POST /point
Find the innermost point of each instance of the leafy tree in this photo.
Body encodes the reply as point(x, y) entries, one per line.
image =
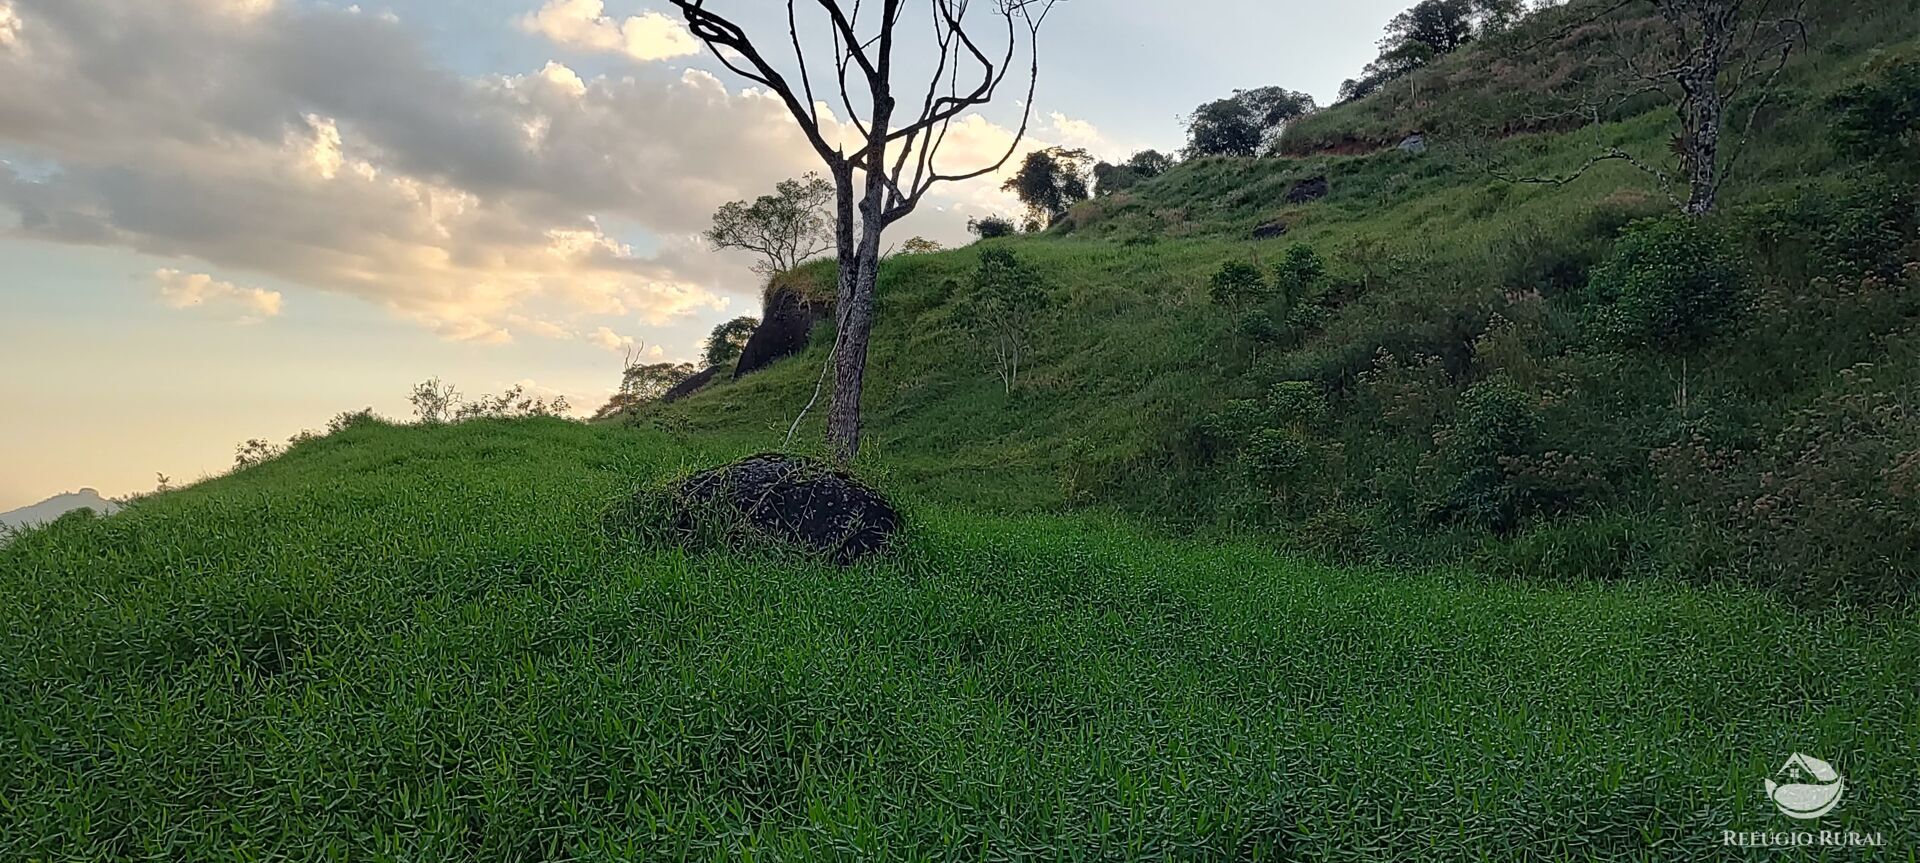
point(1223, 128)
point(1006, 301)
point(1050, 182)
point(992, 227)
point(920, 246)
point(1142, 166)
point(1671, 283)
point(644, 383)
point(1150, 163)
point(728, 340)
point(648, 382)
point(1242, 124)
point(434, 402)
point(785, 228)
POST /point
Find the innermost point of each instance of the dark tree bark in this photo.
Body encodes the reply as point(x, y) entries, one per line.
point(889, 169)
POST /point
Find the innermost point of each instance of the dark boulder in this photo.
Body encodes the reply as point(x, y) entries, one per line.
point(1309, 190)
point(785, 327)
point(692, 385)
point(1270, 231)
point(1415, 143)
point(792, 500)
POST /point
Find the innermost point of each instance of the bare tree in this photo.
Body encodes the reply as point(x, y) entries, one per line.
point(785, 228)
point(1707, 54)
point(884, 173)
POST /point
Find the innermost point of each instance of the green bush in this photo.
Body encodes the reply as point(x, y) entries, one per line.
point(1670, 283)
point(1495, 423)
point(1880, 117)
point(1237, 284)
point(1297, 276)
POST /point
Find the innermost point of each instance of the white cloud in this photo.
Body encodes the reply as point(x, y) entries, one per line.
point(10, 25)
point(326, 149)
point(1069, 132)
point(200, 291)
point(605, 337)
point(584, 25)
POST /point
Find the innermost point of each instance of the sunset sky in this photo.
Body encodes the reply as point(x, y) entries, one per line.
point(225, 219)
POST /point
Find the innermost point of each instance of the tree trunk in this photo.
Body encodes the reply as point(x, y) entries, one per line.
point(1700, 112)
point(850, 364)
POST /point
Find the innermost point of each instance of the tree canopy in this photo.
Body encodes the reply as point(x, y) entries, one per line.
point(1429, 30)
point(1244, 123)
point(785, 229)
point(1050, 182)
point(727, 341)
point(1142, 166)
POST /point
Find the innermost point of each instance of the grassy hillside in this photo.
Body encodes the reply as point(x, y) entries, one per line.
point(1450, 292)
point(422, 643)
point(1533, 524)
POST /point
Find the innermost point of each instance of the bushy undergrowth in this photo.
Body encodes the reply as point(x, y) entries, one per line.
point(421, 643)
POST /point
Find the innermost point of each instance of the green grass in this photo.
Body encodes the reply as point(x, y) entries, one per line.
point(1425, 254)
point(421, 644)
point(426, 643)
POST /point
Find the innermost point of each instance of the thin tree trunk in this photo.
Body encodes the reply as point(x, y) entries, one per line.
point(850, 365)
point(1701, 119)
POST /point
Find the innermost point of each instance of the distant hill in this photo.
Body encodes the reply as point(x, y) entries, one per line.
point(57, 506)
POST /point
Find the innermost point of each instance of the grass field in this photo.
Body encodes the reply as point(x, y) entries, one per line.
point(422, 644)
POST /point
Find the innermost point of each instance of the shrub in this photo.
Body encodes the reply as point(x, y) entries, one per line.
point(352, 419)
point(1670, 283)
point(1277, 440)
point(1496, 423)
point(254, 452)
point(1413, 397)
point(1237, 284)
point(1829, 507)
point(992, 227)
point(1880, 117)
point(1297, 276)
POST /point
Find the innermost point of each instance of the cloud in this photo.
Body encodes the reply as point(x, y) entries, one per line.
point(9, 25)
point(584, 25)
point(199, 291)
point(605, 337)
point(1069, 132)
point(325, 149)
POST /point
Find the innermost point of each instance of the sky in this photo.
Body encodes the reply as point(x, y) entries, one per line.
point(234, 219)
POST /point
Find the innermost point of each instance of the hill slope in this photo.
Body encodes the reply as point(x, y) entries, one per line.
point(421, 643)
point(1612, 578)
point(1449, 293)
